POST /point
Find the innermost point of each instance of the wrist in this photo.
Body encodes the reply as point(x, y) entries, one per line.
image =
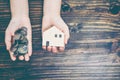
point(52, 7)
point(20, 18)
point(51, 17)
point(51, 14)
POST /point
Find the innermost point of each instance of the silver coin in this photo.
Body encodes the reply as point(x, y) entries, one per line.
point(20, 42)
point(22, 49)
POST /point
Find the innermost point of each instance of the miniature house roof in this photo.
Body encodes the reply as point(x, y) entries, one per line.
point(53, 30)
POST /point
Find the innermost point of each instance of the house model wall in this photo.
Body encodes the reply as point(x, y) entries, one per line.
point(53, 37)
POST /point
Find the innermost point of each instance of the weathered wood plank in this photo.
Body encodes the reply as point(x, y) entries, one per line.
point(86, 56)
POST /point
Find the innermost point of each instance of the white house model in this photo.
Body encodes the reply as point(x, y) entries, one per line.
point(53, 37)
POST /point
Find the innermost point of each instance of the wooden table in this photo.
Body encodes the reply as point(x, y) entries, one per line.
point(87, 56)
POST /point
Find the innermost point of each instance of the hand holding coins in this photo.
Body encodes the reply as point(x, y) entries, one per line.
point(20, 42)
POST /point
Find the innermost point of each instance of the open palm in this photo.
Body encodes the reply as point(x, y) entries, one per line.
point(60, 24)
point(14, 25)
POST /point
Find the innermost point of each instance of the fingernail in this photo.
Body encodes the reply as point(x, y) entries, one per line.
point(7, 48)
point(27, 60)
point(30, 54)
point(14, 59)
point(67, 42)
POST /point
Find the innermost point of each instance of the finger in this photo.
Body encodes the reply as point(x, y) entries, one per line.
point(44, 47)
point(49, 48)
point(61, 49)
point(29, 37)
point(27, 57)
point(9, 33)
point(66, 39)
point(54, 49)
point(13, 58)
point(29, 48)
point(8, 40)
point(21, 57)
point(67, 36)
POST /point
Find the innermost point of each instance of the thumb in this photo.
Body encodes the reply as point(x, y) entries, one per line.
point(8, 40)
point(67, 36)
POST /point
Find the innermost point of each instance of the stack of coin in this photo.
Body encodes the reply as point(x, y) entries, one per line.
point(20, 42)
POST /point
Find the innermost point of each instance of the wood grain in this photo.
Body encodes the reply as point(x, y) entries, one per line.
point(87, 56)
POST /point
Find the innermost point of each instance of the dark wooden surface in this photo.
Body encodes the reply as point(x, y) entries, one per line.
point(87, 56)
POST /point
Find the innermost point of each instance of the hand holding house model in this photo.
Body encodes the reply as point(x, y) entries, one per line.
point(53, 37)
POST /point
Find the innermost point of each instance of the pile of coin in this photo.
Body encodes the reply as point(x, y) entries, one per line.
point(20, 42)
